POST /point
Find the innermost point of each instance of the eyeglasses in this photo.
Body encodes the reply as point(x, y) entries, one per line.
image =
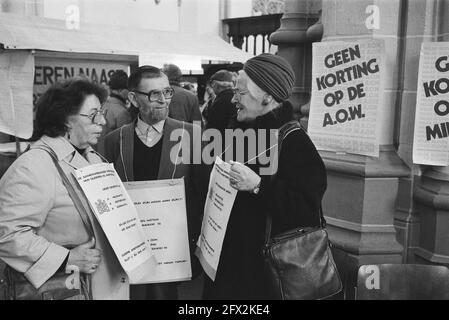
point(95, 116)
point(237, 92)
point(156, 95)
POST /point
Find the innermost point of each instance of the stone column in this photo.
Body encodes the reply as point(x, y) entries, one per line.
point(432, 206)
point(360, 201)
point(431, 193)
point(293, 44)
point(314, 34)
point(419, 19)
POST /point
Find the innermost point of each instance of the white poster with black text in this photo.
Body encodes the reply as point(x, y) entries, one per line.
point(217, 210)
point(431, 134)
point(118, 218)
point(347, 84)
point(161, 205)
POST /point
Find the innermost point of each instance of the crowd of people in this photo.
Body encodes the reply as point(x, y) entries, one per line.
point(46, 223)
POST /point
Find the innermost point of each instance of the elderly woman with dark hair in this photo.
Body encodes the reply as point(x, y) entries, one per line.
point(46, 224)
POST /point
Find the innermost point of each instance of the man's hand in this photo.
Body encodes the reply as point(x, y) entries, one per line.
point(84, 257)
point(242, 178)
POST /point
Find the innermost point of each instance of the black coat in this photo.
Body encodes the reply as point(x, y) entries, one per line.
point(221, 111)
point(293, 197)
point(184, 105)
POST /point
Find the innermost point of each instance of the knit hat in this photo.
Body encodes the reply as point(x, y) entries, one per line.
point(119, 80)
point(273, 74)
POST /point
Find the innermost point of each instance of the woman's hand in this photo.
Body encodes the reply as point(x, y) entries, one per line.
point(84, 257)
point(242, 178)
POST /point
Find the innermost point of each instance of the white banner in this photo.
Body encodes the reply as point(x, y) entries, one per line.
point(430, 141)
point(219, 202)
point(16, 87)
point(118, 218)
point(48, 71)
point(347, 83)
point(162, 210)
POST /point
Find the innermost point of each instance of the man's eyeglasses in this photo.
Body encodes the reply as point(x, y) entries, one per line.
point(156, 95)
point(95, 116)
point(237, 92)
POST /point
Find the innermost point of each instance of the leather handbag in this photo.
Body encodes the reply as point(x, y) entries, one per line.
point(60, 286)
point(299, 263)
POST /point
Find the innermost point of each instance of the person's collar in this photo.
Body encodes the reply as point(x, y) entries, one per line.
point(61, 146)
point(79, 150)
point(143, 126)
point(276, 117)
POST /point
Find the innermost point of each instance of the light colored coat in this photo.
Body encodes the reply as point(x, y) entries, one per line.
point(38, 219)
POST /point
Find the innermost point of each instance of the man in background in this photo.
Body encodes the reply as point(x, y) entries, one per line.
point(184, 104)
point(116, 106)
point(221, 111)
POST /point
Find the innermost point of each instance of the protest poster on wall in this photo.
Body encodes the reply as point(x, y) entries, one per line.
point(118, 218)
point(431, 134)
point(161, 206)
point(48, 71)
point(16, 79)
point(219, 202)
point(347, 83)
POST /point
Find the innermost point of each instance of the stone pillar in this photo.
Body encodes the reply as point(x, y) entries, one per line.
point(360, 201)
point(432, 206)
point(293, 44)
point(314, 34)
point(431, 193)
point(419, 19)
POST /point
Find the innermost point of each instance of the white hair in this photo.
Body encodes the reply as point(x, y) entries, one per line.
point(253, 88)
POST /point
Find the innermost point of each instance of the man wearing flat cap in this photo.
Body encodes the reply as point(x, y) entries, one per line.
point(220, 113)
point(117, 112)
point(291, 195)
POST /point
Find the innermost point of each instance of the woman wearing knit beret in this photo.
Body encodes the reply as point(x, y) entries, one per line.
point(292, 195)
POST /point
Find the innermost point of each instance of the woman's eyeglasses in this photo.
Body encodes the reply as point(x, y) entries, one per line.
point(95, 116)
point(156, 95)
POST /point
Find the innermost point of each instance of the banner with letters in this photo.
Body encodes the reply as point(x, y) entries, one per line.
point(161, 205)
point(118, 218)
point(347, 83)
point(431, 134)
point(217, 210)
point(48, 71)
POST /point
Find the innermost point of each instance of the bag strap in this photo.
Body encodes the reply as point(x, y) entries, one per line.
point(284, 131)
point(72, 193)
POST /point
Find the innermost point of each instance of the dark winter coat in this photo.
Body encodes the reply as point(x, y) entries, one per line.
point(221, 111)
point(293, 197)
point(184, 106)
